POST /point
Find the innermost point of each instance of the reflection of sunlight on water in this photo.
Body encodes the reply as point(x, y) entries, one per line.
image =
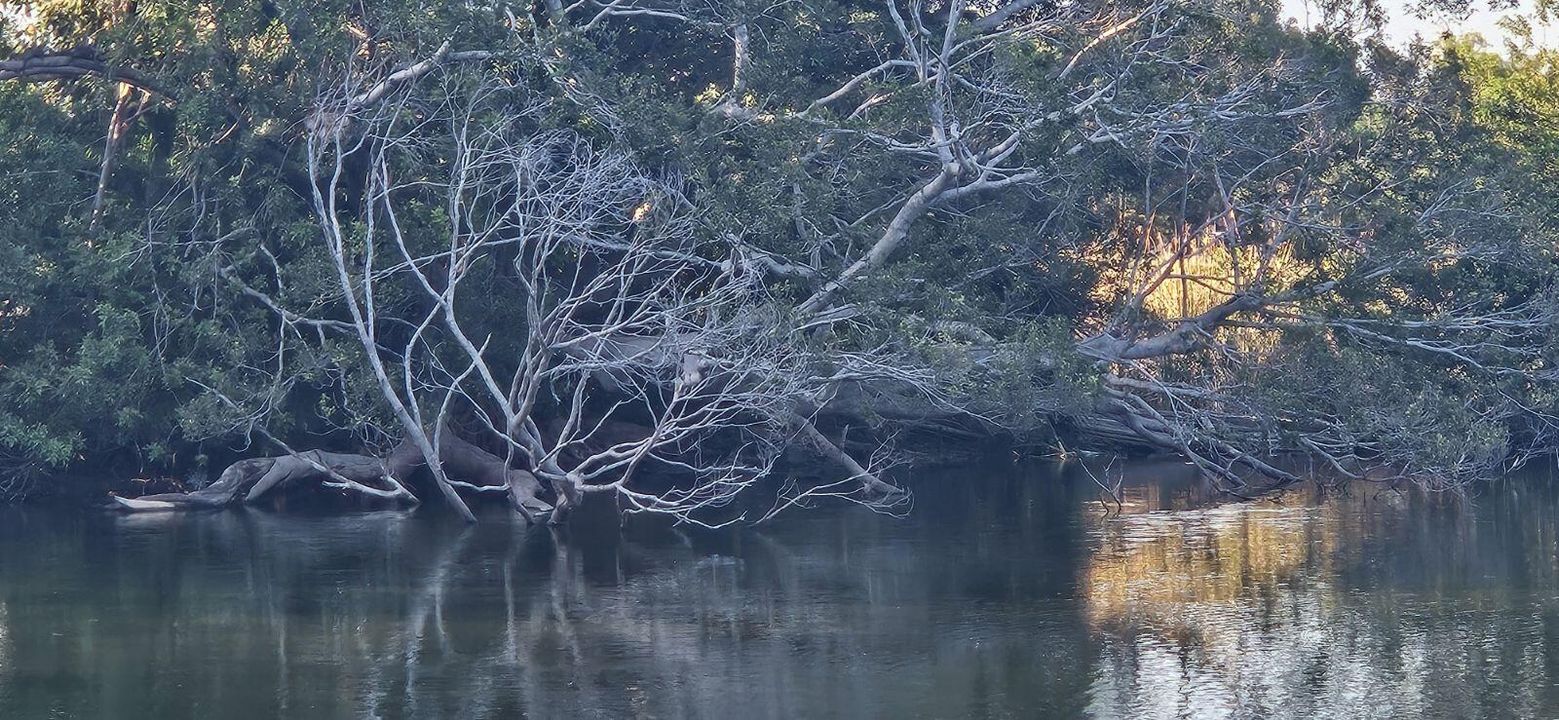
point(1273, 609)
point(1219, 613)
point(1223, 612)
point(1154, 567)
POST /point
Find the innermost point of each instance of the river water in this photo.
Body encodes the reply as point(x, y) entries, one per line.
point(1008, 592)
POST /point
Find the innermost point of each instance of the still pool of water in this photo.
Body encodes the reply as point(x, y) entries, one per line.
point(1007, 593)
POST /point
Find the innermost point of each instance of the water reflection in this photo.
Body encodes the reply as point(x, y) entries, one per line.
point(1376, 604)
point(5, 649)
point(1008, 594)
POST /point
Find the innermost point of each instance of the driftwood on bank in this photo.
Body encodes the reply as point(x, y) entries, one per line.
point(470, 468)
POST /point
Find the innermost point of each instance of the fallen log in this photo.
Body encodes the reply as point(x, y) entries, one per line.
point(234, 482)
point(246, 481)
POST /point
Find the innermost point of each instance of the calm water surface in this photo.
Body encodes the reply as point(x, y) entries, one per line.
point(1006, 594)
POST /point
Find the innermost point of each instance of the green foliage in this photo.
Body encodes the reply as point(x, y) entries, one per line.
point(127, 343)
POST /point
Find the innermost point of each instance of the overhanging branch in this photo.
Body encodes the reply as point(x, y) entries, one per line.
point(42, 65)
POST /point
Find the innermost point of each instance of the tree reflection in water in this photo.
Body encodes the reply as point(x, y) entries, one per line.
point(1006, 595)
point(1376, 604)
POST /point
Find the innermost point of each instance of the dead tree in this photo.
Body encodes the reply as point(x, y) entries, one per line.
point(623, 318)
